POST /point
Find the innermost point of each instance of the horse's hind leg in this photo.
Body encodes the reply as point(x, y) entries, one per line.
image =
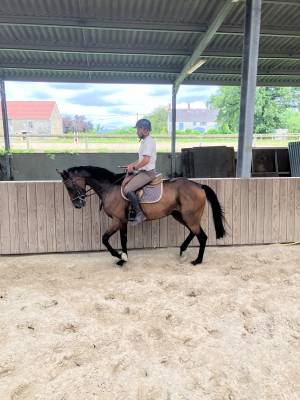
point(185, 244)
point(177, 215)
point(202, 238)
point(196, 230)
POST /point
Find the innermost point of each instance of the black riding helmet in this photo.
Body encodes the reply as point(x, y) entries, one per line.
point(144, 123)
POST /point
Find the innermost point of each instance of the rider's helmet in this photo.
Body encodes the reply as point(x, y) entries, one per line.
point(144, 123)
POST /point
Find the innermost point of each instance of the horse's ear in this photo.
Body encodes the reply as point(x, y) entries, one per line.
point(63, 174)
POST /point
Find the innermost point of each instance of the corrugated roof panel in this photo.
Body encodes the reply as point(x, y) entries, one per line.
point(150, 10)
point(35, 35)
point(53, 37)
point(280, 44)
point(124, 39)
point(142, 77)
point(79, 52)
point(77, 60)
point(59, 8)
point(272, 44)
point(179, 11)
point(222, 42)
point(215, 63)
point(237, 15)
point(280, 15)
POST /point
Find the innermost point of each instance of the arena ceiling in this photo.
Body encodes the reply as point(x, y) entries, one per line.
point(149, 41)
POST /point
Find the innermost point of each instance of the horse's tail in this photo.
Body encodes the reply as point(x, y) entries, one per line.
point(218, 213)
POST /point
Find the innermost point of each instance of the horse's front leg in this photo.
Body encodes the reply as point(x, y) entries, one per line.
point(123, 236)
point(114, 227)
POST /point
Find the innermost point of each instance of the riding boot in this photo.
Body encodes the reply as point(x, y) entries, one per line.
point(139, 215)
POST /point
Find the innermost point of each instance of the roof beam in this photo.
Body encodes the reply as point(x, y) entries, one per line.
point(145, 68)
point(88, 68)
point(204, 41)
point(267, 55)
point(289, 2)
point(91, 24)
point(79, 49)
point(151, 69)
point(260, 72)
point(264, 55)
point(266, 31)
point(72, 76)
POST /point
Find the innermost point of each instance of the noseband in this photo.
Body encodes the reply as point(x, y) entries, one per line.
point(78, 195)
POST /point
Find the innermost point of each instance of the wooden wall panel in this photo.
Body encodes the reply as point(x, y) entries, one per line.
point(38, 217)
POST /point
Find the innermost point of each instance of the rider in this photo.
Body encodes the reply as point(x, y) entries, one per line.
point(143, 169)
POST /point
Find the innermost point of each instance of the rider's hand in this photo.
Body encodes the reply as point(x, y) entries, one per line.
point(130, 168)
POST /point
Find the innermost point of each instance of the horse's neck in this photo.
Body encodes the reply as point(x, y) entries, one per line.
point(100, 187)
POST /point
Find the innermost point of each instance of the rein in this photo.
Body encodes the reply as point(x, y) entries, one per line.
point(83, 196)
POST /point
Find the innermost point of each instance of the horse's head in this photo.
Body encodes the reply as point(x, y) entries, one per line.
point(75, 182)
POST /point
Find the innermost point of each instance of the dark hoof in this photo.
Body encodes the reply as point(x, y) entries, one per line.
point(196, 262)
point(120, 263)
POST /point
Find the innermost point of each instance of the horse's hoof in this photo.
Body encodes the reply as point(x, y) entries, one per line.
point(124, 257)
point(183, 257)
point(196, 262)
point(120, 263)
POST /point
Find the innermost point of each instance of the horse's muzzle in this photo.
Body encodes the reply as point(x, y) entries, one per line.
point(79, 203)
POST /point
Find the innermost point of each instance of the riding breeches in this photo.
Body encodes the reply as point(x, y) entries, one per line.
point(140, 179)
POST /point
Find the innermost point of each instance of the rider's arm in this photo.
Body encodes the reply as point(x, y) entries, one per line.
point(138, 164)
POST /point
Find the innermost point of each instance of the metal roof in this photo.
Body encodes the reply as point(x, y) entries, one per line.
point(149, 41)
point(25, 110)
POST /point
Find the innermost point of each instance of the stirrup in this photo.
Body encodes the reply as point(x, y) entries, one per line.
point(131, 214)
point(140, 217)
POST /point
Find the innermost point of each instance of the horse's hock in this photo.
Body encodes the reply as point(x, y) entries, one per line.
point(38, 217)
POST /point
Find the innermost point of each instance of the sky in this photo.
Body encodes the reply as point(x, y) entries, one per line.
point(110, 105)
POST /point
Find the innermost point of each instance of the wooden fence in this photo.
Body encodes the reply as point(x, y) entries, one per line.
point(38, 217)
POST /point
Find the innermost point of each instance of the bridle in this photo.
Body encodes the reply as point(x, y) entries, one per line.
point(83, 196)
point(79, 195)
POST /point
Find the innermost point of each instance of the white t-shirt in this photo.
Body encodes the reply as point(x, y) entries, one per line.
point(148, 148)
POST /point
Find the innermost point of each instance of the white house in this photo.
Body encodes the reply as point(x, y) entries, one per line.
point(199, 119)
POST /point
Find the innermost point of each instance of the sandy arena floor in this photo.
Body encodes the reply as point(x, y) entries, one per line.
point(75, 327)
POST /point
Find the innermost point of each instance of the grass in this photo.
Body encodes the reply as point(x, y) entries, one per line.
point(108, 143)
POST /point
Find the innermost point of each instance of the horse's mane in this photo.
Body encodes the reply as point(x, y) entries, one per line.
point(98, 173)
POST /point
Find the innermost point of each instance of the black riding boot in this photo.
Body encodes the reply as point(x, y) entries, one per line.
point(139, 215)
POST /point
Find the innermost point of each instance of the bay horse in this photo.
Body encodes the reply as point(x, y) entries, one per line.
point(183, 199)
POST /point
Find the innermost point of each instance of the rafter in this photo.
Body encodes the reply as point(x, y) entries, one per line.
point(168, 27)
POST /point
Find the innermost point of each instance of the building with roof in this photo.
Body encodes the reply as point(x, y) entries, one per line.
point(33, 118)
point(198, 119)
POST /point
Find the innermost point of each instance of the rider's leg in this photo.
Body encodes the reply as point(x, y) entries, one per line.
point(137, 182)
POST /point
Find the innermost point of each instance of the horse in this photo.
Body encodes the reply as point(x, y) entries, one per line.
point(182, 198)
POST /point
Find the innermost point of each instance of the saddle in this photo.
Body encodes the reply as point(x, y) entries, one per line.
point(150, 193)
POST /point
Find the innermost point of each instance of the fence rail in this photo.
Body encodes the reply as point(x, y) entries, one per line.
point(181, 135)
point(37, 217)
point(127, 143)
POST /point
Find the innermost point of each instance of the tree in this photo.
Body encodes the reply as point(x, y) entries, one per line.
point(292, 118)
point(159, 120)
point(227, 101)
point(270, 108)
point(77, 123)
